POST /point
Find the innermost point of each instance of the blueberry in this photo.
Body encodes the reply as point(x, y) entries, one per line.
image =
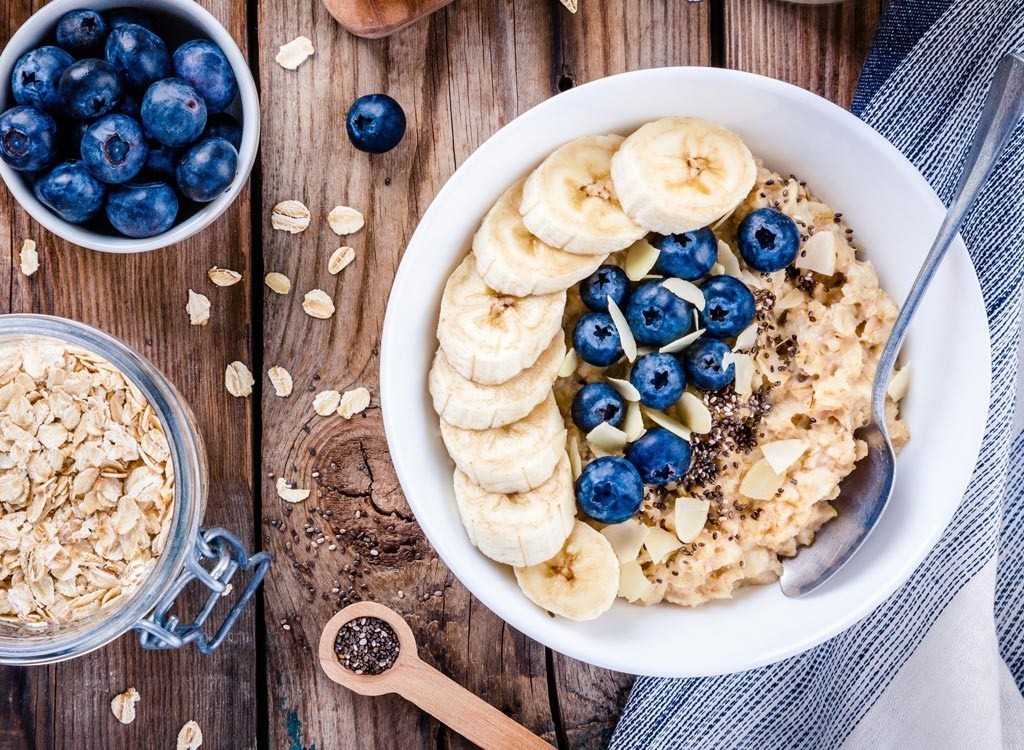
point(728, 306)
point(659, 378)
point(659, 456)
point(139, 55)
point(224, 126)
point(161, 160)
point(686, 256)
point(81, 32)
point(607, 281)
point(375, 123)
point(90, 88)
point(71, 192)
point(123, 16)
point(610, 490)
point(207, 169)
point(36, 77)
point(173, 112)
point(596, 339)
point(202, 64)
point(656, 316)
point(595, 403)
point(768, 239)
point(142, 209)
point(114, 148)
point(28, 139)
point(702, 361)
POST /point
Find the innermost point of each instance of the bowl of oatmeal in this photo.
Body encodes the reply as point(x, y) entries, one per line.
point(698, 555)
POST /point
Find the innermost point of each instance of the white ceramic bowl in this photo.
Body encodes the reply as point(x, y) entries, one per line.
point(179, 21)
point(895, 215)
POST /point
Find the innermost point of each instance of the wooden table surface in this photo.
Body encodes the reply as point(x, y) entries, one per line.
point(460, 75)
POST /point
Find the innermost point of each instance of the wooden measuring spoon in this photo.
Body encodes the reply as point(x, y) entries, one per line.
point(418, 682)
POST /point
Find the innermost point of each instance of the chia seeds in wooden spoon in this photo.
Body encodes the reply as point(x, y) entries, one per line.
point(366, 645)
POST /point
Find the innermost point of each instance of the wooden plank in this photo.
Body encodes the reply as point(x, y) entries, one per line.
point(821, 48)
point(141, 299)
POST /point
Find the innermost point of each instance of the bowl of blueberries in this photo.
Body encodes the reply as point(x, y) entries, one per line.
point(125, 129)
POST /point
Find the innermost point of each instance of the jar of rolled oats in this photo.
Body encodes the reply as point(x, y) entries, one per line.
point(103, 483)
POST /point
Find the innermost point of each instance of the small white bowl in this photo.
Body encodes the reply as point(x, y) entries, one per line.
point(895, 215)
point(181, 20)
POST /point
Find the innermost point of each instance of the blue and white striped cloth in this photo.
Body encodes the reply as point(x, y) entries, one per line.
point(941, 663)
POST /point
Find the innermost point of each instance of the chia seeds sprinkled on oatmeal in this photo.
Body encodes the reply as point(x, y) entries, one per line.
point(366, 645)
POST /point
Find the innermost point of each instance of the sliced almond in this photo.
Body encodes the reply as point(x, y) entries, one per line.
point(278, 282)
point(325, 403)
point(730, 263)
point(340, 259)
point(663, 420)
point(353, 402)
point(633, 584)
point(690, 515)
point(900, 384)
point(281, 379)
point(744, 372)
point(695, 415)
point(607, 438)
point(686, 290)
point(672, 347)
point(792, 298)
point(29, 259)
point(747, 338)
point(575, 461)
point(569, 364)
point(717, 269)
point(761, 482)
point(345, 220)
point(626, 538)
point(238, 380)
point(224, 276)
point(640, 259)
point(290, 216)
point(625, 334)
point(633, 422)
point(290, 494)
point(818, 253)
point(626, 389)
point(198, 308)
point(781, 454)
point(660, 544)
point(318, 304)
point(297, 51)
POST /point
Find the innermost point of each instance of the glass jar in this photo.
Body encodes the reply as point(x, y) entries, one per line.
point(210, 556)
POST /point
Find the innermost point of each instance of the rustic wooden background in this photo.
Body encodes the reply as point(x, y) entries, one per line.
point(460, 75)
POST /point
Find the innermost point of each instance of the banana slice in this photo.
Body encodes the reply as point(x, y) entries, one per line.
point(515, 458)
point(513, 261)
point(679, 174)
point(491, 337)
point(523, 528)
point(580, 582)
point(472, 406)
point(569, 201)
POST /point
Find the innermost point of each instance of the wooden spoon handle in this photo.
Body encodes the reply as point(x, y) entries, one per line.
point(470, 716)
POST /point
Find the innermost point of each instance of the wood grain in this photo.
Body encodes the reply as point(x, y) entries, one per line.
point(141, 299)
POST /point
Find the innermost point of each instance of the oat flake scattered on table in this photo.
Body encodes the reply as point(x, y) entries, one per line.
point(238, 380)
point(198, 308)
point(29, 258)
point(281, 379)
point(340, 259)
point(318, 304)
point(123, 705)
point(290, 216)
point(290, 494)
point(190, 737)
point(344, 220)
point(325, 403)
point(224, 276)
point(278, 282)
point(297, 51)
point(353, 402)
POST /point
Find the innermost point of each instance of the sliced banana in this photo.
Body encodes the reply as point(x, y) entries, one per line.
point(514, 458)
point(472, 406)
point(513, 261)
point(569, 201)
point(580, 582)
point(491, 337)
point(519, 528)
point(678, 174)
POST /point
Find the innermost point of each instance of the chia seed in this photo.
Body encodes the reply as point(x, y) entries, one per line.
point(366, 645)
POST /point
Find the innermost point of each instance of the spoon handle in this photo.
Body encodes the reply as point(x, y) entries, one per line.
point(466, 713)
point(1003, 110)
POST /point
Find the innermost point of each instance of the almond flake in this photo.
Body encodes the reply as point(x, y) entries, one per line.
point(761, 482)
point(290, 494)
point(818, 254)
point(29, 258)
point(569, 364)
point(575, 462)
point(717, 269)
point(281, 379)
point(679, 344)
point(660, 544)
point(238, 380)
point(633, 584)
point(640, 259)
point(607, 438)
point(190, 737)
point(198, 308)
point(690, 515)
point(781, 454)
point(746, 339)
point(633, 423)
point(297, 51)
point(696, 416)
point(743, 380)
point(340, 259)
point(344, 220)
point(900, 384)
point(353, 402)
point(625, 334)
point(318, 304)
point(325, 403)
point(278, 282)
point(123, 705)
point(290, 216)
point(661, 419)
point(224, 276)
point(686, 290)
point(626, 389)
point(728, 259)
point(792, 298)
point(626, 538)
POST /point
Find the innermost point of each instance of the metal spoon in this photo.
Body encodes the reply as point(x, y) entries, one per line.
point(865, 492)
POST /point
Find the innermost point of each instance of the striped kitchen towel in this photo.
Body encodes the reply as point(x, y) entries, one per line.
point(941, 663)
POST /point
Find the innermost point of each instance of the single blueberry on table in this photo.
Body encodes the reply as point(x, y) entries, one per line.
point(596, 339)
point(28, 139)
point(224, 126)
point(686, 256)
point(659, 378)
point(768, 239)
point(173, 112)
point(81, 32)
point(728, 306)
point(124, 16)
point(702, 361)
point(162, 161)
point(71, 192)
point(207, 170)
point(375, 123)
point(607, 281)
point(610, 490)
point(142, 209)
point(595, 403)
point(90, 88)
point(660, 456)
point(656, 316)
point(114, 148)
point(203, 64)
point(36, 76)
point(140, 56)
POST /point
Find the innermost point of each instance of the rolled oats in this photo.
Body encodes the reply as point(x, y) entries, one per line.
point(297, 51)
point(238, 380)
point(318, 304)
point(190, 737)
point(345, 220)
point(123, 705)
point(278, 282)
point(325, 403)
point(224, 276)
point(281, 379)
point(570, 5)
point(198, 308)
point(290, 216)
point(290, 494)
point(353, 402)
point(340, 259)
point(29, 258)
